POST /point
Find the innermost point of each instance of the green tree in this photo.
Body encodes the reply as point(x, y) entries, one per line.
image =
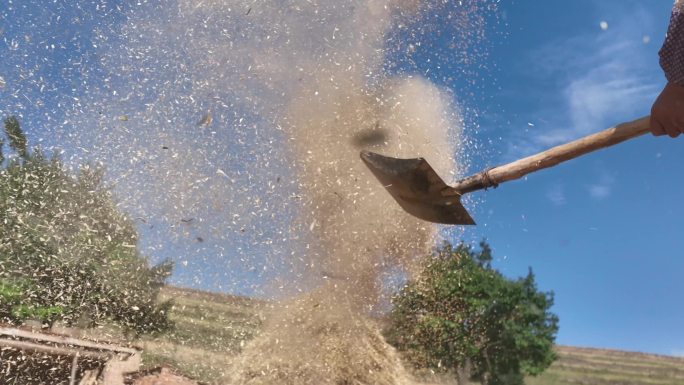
point(17, 139)
point(69, 252)
point(461, 314)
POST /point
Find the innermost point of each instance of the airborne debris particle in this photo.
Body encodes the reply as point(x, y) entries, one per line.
point(173, 63)
point(375, 136)
point(206, 120)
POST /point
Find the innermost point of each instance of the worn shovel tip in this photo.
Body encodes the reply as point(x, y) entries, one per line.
point(389, 165)
point(417, 188)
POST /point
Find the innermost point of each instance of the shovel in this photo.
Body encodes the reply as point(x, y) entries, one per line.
point(422, 193)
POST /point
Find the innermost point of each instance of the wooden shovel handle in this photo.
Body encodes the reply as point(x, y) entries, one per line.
point(549, 158)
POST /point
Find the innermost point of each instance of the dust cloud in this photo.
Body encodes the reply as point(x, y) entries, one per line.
point(231, 130)
point(355, 232)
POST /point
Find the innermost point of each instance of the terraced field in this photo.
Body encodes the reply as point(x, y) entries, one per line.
point(212, 328)
point(611, 367)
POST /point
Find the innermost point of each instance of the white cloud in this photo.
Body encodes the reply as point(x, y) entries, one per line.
point(602, 188)
point(613, 88)
point(678, 353)
point(599, 191)
point(556, 194)
point(605, 78)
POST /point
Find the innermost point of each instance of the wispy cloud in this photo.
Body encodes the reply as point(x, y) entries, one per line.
point(602, 188)
point(599, 191)
point(678, 352)
point(604, 77)
point(556, 194)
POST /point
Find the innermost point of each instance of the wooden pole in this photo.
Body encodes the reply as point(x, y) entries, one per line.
point(549, 158)
point(74, 370)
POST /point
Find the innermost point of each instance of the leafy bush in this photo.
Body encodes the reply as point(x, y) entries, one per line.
point(461, 314)
point(66, 252)
point(45, 314)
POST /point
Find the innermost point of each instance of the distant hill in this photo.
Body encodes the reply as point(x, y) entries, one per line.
point(211, 330)
point(611, 367)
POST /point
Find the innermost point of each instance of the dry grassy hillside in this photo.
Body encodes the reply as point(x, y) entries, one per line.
point(211, 329)
point(611, 367)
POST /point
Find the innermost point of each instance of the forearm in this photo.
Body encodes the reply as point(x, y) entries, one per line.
point(672, 53)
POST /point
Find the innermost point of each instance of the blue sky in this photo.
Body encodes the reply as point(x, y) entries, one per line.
point(604, 232)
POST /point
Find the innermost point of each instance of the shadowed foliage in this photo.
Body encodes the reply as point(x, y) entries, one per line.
point(66, 252)
point(462, 315)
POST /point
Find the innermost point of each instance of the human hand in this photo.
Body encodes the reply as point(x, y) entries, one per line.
point(667, 113)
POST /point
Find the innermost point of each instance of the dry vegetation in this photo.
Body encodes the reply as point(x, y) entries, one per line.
point(611, 367)
point(211, 330)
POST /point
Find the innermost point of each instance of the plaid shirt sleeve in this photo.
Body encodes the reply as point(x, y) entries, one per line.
point(672, 53)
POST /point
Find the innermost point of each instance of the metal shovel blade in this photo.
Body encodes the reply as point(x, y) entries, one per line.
point(418, 189)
